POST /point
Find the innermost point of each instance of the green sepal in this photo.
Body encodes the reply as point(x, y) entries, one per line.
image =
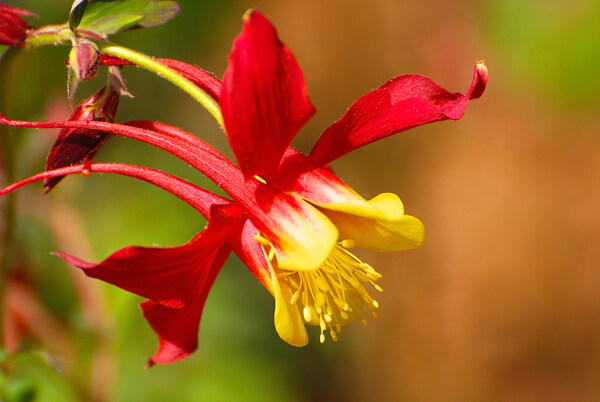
point(76, 14)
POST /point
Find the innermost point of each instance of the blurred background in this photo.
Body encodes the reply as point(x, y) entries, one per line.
point(501, 304)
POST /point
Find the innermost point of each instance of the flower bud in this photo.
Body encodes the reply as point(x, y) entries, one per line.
point(13, 29)
point(84, 58)
point(74, 145)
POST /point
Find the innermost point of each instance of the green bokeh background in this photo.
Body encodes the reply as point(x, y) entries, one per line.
point(491, 309)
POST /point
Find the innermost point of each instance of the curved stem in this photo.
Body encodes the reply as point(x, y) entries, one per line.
point(176, 79)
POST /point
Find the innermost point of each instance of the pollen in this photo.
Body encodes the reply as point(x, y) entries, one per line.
point(335, 293)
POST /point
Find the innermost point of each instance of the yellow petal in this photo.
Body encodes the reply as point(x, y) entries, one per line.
point(380, 227)
point(386, 206)
point(301, 235)
point(288, 321)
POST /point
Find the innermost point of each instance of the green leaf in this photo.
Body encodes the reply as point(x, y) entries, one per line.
point(77, 10)
point(106, 17)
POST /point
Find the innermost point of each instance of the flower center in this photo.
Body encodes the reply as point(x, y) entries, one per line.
point(333, 294)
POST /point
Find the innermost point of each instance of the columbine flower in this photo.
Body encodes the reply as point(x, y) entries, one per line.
point(13, 29)
point(264, 101)
point(290, 219)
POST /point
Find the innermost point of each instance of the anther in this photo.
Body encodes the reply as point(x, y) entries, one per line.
point(295, 297)
point(319, 299)
point(348, 243)
point(260, 179)
point(261, 240)
point(307, 314)
point(335, 293)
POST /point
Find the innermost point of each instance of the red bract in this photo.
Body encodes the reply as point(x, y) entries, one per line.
point(290, 219)
point(13, 29)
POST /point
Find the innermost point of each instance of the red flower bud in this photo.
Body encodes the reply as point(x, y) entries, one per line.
point(84, 58)
point(73, 146)
point(13, 29)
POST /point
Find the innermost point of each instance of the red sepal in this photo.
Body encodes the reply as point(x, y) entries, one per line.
point(175, 279)
point(404, 102)
point(264, 100)
point(177, 328)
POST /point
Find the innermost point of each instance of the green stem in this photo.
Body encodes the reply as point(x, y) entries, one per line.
point(150, 64)
point(56, 34)
point(49, 35)
point(8, 202)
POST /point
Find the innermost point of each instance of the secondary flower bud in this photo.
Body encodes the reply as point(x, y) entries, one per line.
point(75, 145)
point(84, 58)
point(13, 29)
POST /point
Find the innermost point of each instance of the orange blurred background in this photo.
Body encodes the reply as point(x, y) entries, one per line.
point(503, 301)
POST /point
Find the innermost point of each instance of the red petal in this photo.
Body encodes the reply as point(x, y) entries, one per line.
point(264, 99)
point(197, 153)
point(298, 232)
point(300, 175)
point(200, 199)
point(171, 131)
point(251, 253)
point(177, 328)
point(404, 102)
point(171, 276)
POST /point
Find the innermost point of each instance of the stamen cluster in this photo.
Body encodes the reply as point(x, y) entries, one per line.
point(333, 294)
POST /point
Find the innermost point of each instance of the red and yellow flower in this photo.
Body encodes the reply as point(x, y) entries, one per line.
point(289, 218)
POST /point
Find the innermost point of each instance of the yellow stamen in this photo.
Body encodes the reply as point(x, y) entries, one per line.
point(333, 294)
point(295, 296)
point(348, 243)
point(307, 314)
point(261, 240)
